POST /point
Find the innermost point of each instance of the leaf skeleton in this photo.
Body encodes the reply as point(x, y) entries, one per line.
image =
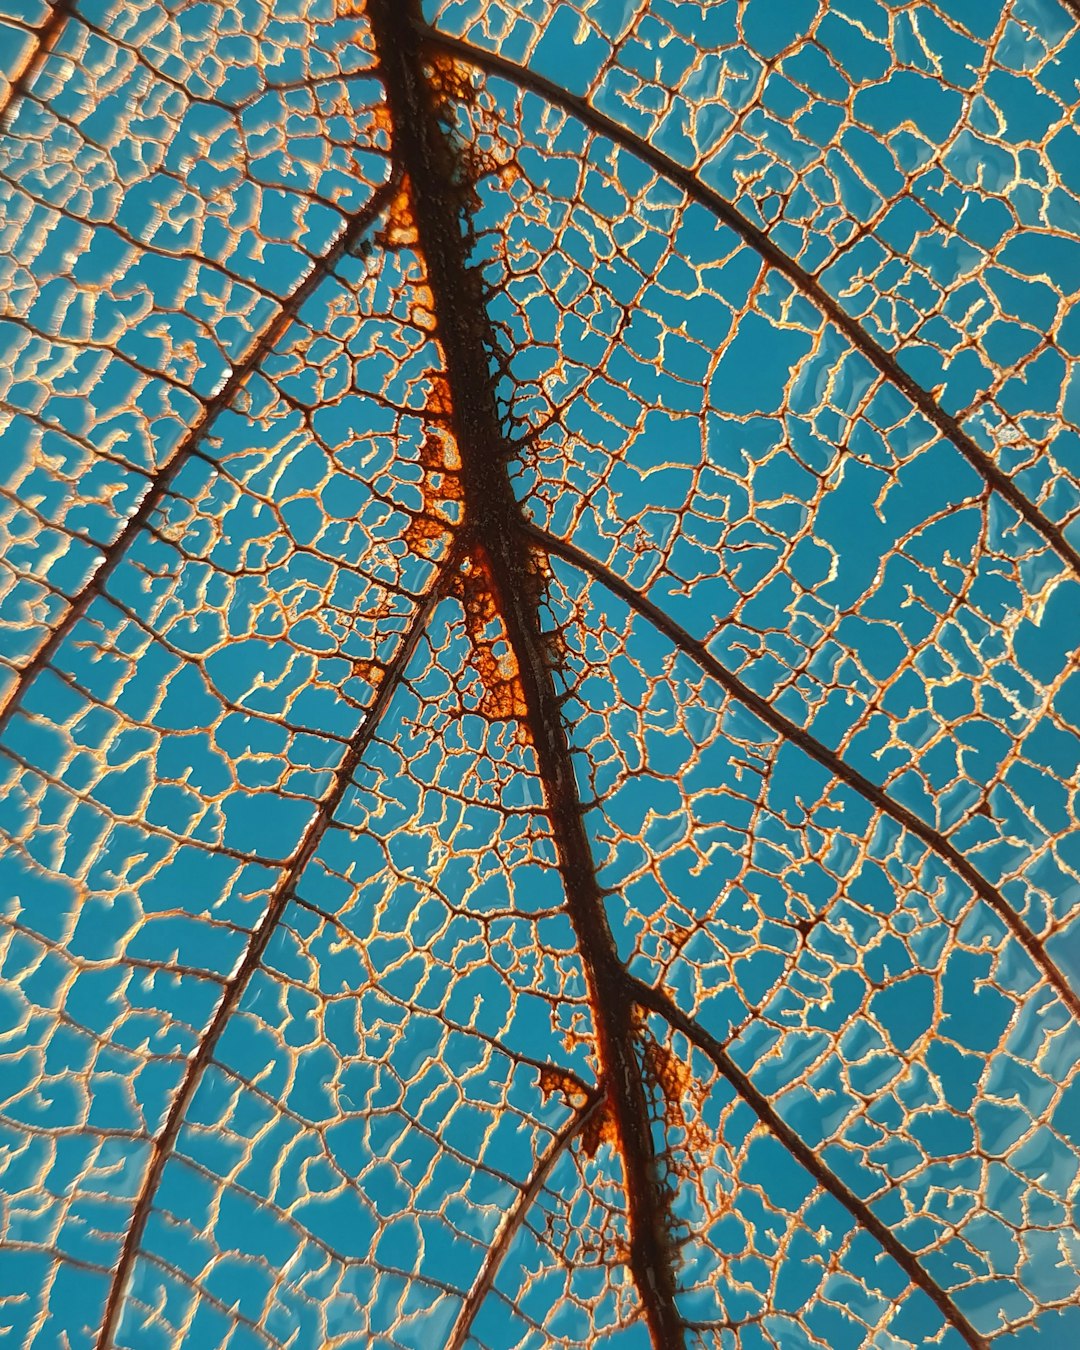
point(539, 708)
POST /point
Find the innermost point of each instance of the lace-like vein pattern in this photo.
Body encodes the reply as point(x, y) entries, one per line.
point(166, 186)
point(375, 1106)
point(919, 159)
point(693, 425)
point(883, 1008)
point(303, 1039)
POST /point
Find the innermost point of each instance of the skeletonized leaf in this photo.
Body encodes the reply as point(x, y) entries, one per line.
point(539, 699)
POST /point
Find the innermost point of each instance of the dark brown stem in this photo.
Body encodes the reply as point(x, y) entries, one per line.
point(883, 361)
point(493, 517)
point(280, 896)
point(651, 1256)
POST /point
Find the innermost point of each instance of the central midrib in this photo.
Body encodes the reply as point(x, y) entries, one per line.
point(439, 190)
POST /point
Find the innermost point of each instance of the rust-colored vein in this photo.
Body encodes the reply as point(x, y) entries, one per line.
point(660, 1002)
point(514, 1218)
point(511, 578)
point(882, 359)
point(165, 1141)
point(156, 488)
point(46, 38)
point(934, 840)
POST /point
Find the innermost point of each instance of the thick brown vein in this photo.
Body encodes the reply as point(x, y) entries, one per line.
point(158, 485)
point(46, 38)
point(883, 360)
point(934, 840)
point(492, 516)
point(165, 1142)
